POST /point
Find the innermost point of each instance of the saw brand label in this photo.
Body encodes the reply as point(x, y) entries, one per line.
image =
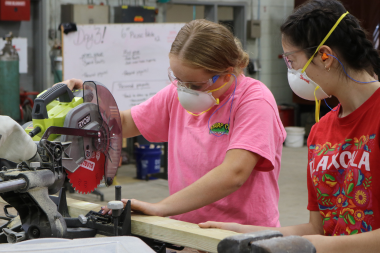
point(83, 122)
point(88, 165)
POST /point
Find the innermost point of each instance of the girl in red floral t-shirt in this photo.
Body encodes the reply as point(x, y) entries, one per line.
point(328, 54)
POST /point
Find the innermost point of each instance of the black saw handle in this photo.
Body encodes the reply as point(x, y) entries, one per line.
point(60, 91)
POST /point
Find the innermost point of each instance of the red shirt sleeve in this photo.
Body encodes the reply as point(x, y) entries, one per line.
point(312, 200)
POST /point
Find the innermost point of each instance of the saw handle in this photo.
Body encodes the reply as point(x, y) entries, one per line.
point(60, 91)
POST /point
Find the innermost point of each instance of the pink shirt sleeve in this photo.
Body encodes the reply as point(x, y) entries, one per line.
point(152, 116)
point(258, 128)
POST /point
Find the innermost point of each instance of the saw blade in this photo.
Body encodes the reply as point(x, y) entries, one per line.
point(89, 175)
point(106, 143)
point(110, 134)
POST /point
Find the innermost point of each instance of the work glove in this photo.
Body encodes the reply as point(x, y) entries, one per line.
point(15, 144)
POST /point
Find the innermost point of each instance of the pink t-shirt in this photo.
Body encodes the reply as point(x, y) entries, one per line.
point(193, 151)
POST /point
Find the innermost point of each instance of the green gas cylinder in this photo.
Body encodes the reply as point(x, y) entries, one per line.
point(9, 80)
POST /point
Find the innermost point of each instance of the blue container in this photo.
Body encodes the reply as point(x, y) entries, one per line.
point(148, 161)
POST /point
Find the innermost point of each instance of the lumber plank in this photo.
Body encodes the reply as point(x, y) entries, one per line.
point(161, 228)
point(178, 232)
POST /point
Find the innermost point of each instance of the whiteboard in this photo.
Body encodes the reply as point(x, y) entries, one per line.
point(131, 60)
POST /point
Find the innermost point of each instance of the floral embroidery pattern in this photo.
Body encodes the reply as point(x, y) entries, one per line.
point(342, 181)
point(359, 215)
point(315, 180)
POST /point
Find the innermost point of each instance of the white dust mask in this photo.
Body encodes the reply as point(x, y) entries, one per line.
point(195, 101)
point(303, 86)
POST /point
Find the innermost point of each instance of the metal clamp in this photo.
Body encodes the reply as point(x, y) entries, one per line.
point(266, 241)
point(13, 237)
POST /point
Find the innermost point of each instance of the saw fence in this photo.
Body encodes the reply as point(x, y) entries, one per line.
point(161, 228)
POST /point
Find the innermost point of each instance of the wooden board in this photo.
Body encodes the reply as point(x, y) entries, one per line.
point(161, 228)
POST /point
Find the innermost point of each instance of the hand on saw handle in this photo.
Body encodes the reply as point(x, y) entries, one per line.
point(73, 83)
point(15, 144)
point(140, 207)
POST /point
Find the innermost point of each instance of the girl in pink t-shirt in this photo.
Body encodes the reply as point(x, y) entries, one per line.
point(223, 131)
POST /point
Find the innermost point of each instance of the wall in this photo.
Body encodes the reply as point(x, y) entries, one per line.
point(22, 29)
point(271, 12)
point(54, 17)
point(25, 29)
point(273, 69)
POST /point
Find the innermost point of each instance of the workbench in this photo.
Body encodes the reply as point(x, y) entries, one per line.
point(159, 228)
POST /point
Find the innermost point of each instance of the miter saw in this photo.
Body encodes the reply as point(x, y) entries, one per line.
point(78, 135)
point(87, 123)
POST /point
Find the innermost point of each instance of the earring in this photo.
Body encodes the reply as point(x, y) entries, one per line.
point(327, 69)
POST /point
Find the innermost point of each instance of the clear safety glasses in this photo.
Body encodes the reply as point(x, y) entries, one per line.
point(199, 86)
point(289, 62)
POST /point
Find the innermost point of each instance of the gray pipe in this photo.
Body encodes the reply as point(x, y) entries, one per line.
point(12, 185)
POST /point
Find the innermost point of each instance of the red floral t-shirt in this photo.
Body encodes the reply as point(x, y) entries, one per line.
point(343, 175)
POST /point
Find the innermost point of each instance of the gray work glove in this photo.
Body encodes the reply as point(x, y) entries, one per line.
point(15, 144)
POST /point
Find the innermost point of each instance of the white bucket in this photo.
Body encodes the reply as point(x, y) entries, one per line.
point(294, 137)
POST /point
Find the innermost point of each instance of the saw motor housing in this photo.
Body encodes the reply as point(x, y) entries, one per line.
point(71, 112)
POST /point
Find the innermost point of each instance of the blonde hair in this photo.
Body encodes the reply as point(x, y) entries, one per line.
point(211, 46)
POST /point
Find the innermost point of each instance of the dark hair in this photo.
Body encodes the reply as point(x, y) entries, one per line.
point(311, 22)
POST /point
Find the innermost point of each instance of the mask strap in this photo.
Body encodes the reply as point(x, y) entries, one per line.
point(330, 107)
point(209, 91)
point(199, 114)
point(317, 106)
point(324, 40)
point(229, 118)
point(348, 74)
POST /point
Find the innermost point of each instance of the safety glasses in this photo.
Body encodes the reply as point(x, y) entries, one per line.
point(199, 86)
point(289, 62)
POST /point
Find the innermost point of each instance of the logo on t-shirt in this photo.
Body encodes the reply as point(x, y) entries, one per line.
point(220, 128)
point(342, 177)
